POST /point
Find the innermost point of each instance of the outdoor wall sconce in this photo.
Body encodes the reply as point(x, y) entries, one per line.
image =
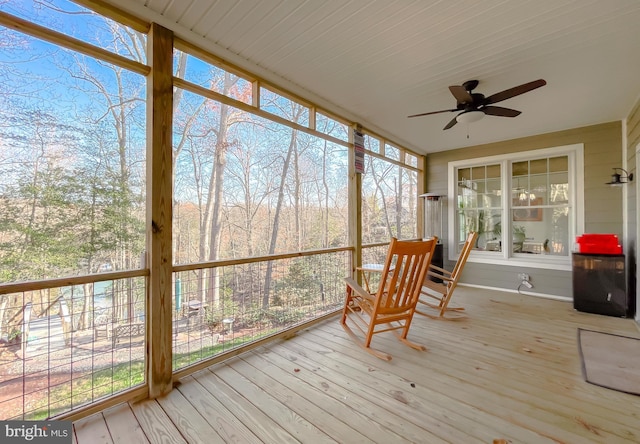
point(618, 179)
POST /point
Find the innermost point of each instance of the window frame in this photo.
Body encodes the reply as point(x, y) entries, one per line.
point(575, 154)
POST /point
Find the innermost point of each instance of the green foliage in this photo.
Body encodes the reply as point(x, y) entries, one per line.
point(300, 275)
point(14, 334)
point(281, 316)
point(181, 360)
point(58, 219)
point(228, 309)
point(519, 229)
point(87, 388)
point(253, 316)
point(300, 285)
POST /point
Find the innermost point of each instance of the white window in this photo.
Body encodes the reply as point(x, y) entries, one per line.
point(526, 207)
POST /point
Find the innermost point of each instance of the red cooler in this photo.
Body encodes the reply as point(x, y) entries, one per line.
point(598, 244)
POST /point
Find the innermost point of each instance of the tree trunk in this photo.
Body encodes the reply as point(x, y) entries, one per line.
point(87, 305)
point(276, 219)
point(215, 197)
point(325, 217)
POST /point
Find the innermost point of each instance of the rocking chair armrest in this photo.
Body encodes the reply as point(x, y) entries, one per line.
point(440, 270)
point(357, 288)
point(439, 276)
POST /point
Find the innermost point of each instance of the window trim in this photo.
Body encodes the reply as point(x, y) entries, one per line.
point(575, 152)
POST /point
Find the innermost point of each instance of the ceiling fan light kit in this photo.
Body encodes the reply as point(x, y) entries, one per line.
point(474, 106)
point(469, 116)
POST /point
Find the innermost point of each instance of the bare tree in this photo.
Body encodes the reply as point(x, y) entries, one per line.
point(293, 141)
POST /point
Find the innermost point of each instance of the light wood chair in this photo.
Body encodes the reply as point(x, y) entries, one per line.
point(436, 294)
point(391, 308)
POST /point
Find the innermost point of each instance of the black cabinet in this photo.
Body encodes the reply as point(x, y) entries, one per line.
point(437, 260)
point(599, 284)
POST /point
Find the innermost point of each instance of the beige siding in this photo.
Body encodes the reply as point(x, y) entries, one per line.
point(548, 282)
point(603, 205)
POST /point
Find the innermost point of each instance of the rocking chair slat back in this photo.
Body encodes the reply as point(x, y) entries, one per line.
point(393, 305)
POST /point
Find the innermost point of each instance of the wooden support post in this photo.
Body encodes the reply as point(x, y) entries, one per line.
point(422, 186)
point(159, 215)
point(355, 208)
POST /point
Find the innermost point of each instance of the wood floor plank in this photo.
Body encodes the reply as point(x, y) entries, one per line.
point(464, 417)
point(289, 420)
point(155, 423)
point(544, 422)
point(187, 419)
point(329, 424)
point(404, 412)
point(265, 428)
point(230, 428)
point(510, 370)
point(524, 362)
point(625, 432)
point(521, 414)
point(357, 412)
point(346, 385)
point(557, 392)
point(526, 358)
point(560, 393)
point(123, 425)
point(92, 430)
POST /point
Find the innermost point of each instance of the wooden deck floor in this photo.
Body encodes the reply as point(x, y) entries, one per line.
point(510, 371)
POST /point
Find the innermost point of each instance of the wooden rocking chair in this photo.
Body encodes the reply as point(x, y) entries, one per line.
point(394, 303)
point(440, 292)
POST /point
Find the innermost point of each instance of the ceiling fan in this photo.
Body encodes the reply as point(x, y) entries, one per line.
point(474, 106)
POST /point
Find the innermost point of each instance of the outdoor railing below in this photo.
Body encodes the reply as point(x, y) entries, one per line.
point(73, 343)
point(224, 305)
point(53, 357)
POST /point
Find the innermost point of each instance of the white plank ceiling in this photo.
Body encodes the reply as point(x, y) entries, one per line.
point(376, 62)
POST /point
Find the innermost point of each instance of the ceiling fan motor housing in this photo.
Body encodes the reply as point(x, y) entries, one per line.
point(470, 85)
point(477, 100)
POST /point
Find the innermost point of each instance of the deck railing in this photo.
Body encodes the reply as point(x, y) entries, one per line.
point(223, 305)
point(74, 342)
point(60, 347)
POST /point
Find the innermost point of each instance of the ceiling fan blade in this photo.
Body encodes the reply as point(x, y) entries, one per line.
point(515, 91)
point(450, 124)
point(461, 94)
point(500, 111)
point(433, 112)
